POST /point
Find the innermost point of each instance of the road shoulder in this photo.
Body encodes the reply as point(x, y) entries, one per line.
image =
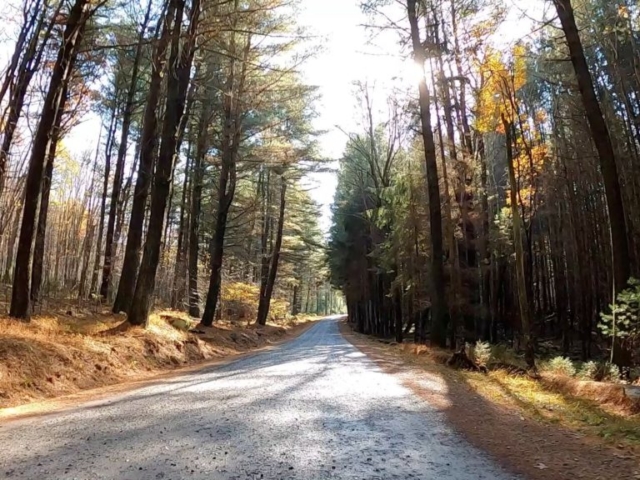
point(62, 403)
point(524, 446)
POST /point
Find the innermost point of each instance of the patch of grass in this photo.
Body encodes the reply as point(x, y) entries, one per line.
point(557, 400)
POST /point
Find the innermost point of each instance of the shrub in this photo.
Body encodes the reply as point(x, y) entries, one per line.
point(599, 372)
point(608, 372)
point(482, 353)
point(239, 301)
point(560, 366)
point(279, 310)
point(626, 312)
point(588, 371)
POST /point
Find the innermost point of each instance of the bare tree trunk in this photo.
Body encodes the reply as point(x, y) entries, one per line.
point(485, 253)
point(178, 83)
point(91, 227)
point(196, 205)
point(180, 270)
point(103, 201)
point(11, 246)
point(38, 250)
point(265, 298)
point(228, 177)
point(53, 104)
point(148, 141)
point(523, 299)
point(438, 294)
point(225, 197)
point(127, 116)
point(265, 191)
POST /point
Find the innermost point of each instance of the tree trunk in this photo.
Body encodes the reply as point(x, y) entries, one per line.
point(148, 141)
point(438, 298)
point(127, 116)
point(180, 270)
point(265, 299)
point(38, 250)
point(602, 139)
point(228, 177)
point(485, 252)
point(225, 197)
point(178, 83)
point(103, 202)
point(11, 241)
point(196, 206)
point(54, 102)
point(295, 301)
point(523, 300)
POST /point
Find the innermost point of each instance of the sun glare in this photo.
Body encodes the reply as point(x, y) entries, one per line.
point(412, 73)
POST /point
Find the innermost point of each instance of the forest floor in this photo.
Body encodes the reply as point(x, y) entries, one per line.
point(542, 429)
point(74, 350)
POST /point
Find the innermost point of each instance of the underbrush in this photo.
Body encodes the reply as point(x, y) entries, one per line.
point(564, 393)
point(597, 382)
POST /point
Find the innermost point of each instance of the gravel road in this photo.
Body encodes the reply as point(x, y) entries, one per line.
point(312, 408)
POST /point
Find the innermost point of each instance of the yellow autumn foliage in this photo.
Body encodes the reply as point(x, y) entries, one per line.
point(240, 302)
point(501, 79)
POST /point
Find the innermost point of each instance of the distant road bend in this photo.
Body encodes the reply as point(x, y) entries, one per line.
point(312, 408)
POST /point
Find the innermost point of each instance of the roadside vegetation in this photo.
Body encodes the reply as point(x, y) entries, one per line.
point(80, 346)
point(586, 396)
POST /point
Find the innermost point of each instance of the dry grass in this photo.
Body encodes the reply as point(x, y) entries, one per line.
point(594, 408)
point(56, 355)
point(428, 353)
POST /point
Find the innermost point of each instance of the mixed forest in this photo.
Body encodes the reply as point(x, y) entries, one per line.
point(196, 192)
point(498, 199)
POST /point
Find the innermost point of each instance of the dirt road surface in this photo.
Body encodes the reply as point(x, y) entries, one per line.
point(312, 408)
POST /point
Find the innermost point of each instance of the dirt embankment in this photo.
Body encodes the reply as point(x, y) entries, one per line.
point(67, 353)
point(533, 430)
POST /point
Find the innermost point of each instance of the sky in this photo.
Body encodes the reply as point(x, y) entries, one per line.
point(347, 56)
point(347, 53)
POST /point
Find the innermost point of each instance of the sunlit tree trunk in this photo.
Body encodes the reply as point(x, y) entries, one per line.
point(178, 83)
point(53, 104)
point(148, 141)
point(439, 311)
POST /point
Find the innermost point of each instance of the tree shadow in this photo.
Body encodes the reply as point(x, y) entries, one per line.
point(310, 409)
point(526, 446)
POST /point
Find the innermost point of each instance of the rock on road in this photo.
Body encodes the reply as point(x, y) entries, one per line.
point(312, 408)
